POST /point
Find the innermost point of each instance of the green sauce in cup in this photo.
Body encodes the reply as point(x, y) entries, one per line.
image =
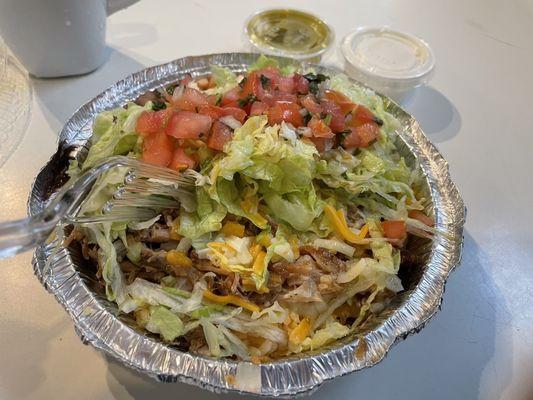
point(289, 33)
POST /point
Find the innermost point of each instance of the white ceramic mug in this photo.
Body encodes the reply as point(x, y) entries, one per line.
point(57, 37)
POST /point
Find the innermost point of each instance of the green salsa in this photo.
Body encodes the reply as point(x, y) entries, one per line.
point(289, 32)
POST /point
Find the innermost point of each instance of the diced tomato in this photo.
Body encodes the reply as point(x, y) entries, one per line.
point(287, 97)
point(286, 84)
point(217, 112)
point(420, 216)
point(252, 87)
point(394, 229)
point(188, 125)
point(213, 112)
point(361, 115)
point(181, 160)
point(310, 103)
point(190, 99)
point(367, 133)
point(352, 140)
point(322, 144)
point(220, 135)
point(158, 149)
point(247, 107)
point(362, 135)
point(212, 99)
point(238, 113)
point(258, 108)
point(345, 104)
point(268, 78)
point(152, 121)
point(270, 98)
point(275, 81)
point(231, 97)
point(285, 111)
point(319, 128)
point(301, 85)
point(272, 74)
point(337, 117)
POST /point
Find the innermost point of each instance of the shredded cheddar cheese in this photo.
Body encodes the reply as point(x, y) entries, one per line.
point(255, 249)
point(178, 259)
point(232, 228)
point(364, 231)
point(221, 246)
point(249, 206)
point(231, 299)
point(249, 285)
point(174, 235)
point(263, 239)
point(259, 263)
point(298, 334)
point(340, 226)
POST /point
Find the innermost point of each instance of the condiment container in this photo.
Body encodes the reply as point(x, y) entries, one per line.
point(391, 62)
point(290, 33)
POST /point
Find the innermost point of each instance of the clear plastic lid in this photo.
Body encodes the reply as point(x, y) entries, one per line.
point(287, 32)
point(388, 58)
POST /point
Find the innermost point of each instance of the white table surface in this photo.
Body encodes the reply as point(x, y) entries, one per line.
point(477, 110)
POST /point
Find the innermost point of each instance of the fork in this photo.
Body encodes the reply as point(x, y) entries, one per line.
point(146, 188)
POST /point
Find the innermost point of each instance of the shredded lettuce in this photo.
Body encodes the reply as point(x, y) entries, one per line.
point(212, 337)
point(204, 220)
point(297, 209)
point(264, 62)
point(224, 78)
point(261, 163)
point(134, 252)
point(165, 322)
point(114, 134)
point(331, 332)
point(274, 314)
point(102, 234)
point(383, 252)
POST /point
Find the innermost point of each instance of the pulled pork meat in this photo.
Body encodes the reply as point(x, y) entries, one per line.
point(309, 278)
point(325, 260)
point(206, 265)
point(157, 233)
point(157, 259)
point(306, 284)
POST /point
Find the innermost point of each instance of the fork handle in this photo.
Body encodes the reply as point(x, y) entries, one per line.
point(24, 234)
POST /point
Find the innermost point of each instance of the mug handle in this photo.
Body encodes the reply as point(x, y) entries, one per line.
point(116, 5)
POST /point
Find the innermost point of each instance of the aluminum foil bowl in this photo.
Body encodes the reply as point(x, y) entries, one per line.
point(65, 274)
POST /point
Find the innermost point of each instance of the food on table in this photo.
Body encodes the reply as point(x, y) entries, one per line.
point(301, 211)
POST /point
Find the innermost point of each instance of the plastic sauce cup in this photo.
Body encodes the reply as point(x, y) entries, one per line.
point(391, 62)
point(290, 33)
